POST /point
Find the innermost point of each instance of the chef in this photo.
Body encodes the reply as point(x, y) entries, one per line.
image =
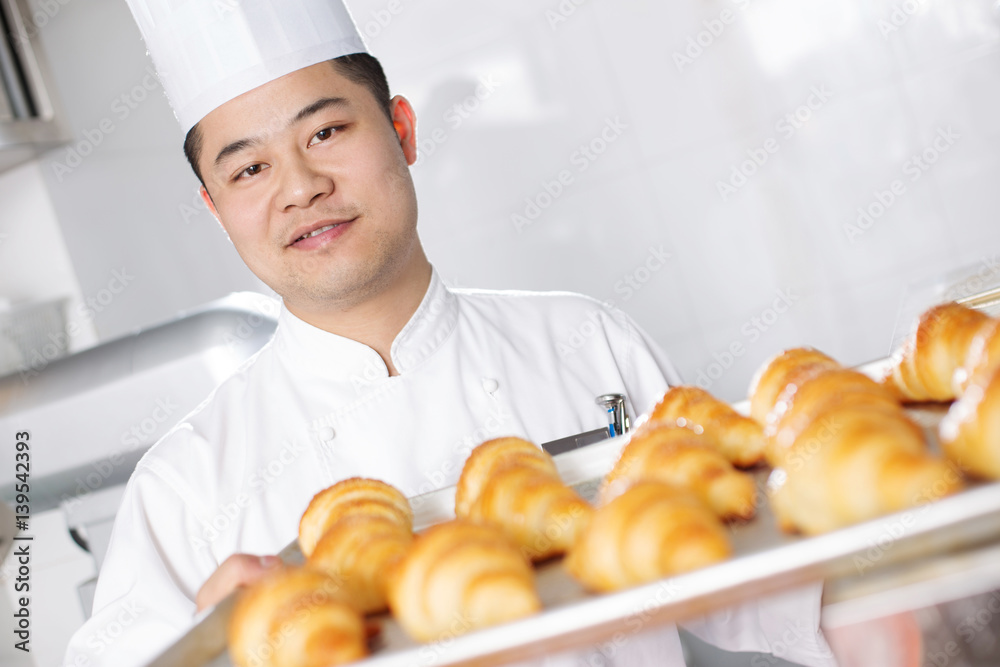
point(377, 368)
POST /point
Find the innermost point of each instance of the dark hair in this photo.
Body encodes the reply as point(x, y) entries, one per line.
point(360, 68)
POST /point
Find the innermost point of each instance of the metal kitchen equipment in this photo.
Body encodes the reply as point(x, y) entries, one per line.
point(92, 415)
point(152, 378)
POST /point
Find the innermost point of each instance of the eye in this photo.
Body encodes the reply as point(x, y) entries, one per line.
point(250, 171)
point(322, 135)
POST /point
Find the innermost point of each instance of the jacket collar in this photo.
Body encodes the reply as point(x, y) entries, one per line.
point(313, 350)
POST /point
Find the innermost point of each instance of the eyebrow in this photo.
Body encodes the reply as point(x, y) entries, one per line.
point(317, 106)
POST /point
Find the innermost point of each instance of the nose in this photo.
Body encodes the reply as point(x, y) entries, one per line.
point(301, 184)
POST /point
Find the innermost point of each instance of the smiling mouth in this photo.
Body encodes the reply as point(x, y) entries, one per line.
point(325, 229)
point(317, 232)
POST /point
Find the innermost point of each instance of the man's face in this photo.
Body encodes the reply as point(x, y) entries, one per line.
point(313, 154)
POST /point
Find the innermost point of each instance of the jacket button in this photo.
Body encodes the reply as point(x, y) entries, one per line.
point(490, 385)
point(326, 434)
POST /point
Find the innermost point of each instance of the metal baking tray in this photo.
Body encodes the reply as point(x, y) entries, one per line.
point(766, 561)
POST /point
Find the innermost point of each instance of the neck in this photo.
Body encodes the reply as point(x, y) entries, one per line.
point(377, 321)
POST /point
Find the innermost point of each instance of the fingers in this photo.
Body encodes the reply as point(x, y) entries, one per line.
point(237, 570)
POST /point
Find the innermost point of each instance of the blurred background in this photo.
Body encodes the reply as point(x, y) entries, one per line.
point(739, 176)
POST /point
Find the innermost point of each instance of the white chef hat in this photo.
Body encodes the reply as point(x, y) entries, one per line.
point(207, 52)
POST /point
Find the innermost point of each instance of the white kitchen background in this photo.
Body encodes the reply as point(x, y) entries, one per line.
point(737, 175)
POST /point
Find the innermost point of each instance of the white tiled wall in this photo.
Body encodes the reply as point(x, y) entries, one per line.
point(550, 76)
point(884, 96)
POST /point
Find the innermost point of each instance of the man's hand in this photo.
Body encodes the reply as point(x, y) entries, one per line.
point(237, 570)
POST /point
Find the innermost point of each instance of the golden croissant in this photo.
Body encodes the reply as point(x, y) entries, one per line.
point(739, 438)
point(295, 617)
point(855, 463)
point(677, 455)
point(369, 497)
point(780, 370)
point(363, 552)
point(652, 530)
point(492, 455)
point(514, 485)
point(801, 403)
point(970, 432)
point(365, 527)
point(926, 364)
point(460, 576)
point(982, 359)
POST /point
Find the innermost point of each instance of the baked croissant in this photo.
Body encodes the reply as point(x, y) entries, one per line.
point(295, 617)
point(862, 462)
point(460, 576)
point(739, 438)
point(652, 530)
point(492, 455)
point(982, 359)
point(362, 552)
point(677, 455)
point(802, 402)
point(365, 527)
point(926, 363)
point(514, 485)
point(970, 432)
point(780, 370)
point(353, 496)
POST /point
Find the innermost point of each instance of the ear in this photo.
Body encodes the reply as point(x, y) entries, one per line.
point(404, 121)
point(210, 205)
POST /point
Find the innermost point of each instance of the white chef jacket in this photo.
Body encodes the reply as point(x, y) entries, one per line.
point(312, 408)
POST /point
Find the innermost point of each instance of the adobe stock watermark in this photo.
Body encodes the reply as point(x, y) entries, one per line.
point(491, 427)
point(265, 650)
point(628, 286)
point(984, 278)
point(264, 311)
point(101, 639)
point(228, 513)
point(380, 19)
point(40, 357)
point(455, 116)
point(795, 631)
point(562, 12)
point(195, 207)
point(45, 11)
point(914, 167)
point(432, 652)
point(899, 16)
point(975, 623)
point(968, 629)
point(906, 521)
point(698, 42)
point(137, 435)
point(786, 127)
point(604, 653)
point(584, 156)
point(752, 330)
point(121, 108)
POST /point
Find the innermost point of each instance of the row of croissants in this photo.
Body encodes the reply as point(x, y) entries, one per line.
point(841, 448)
